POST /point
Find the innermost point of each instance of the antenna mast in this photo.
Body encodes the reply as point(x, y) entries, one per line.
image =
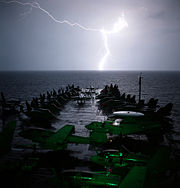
point(140, 78)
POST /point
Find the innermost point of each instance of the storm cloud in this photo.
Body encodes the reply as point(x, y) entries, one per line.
point(30, 40)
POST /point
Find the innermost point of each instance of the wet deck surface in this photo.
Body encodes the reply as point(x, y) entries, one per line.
point(80, 115)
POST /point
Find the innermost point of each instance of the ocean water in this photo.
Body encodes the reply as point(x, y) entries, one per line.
point(164, 86)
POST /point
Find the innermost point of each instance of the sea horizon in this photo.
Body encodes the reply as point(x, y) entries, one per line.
point(90, 70)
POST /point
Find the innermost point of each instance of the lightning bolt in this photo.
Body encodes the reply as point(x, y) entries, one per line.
point(117, 27)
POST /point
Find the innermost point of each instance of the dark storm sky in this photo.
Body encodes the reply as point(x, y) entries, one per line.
point(35, 42)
